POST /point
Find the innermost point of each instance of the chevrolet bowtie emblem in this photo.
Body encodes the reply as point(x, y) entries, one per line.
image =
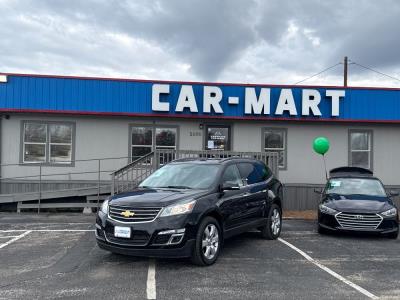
point(127, 213)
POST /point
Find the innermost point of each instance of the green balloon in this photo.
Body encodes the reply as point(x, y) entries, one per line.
point(321, 145)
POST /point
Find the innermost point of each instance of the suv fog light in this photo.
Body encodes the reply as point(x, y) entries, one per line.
point(172, 237)
point(175, 239)
point(172, 231)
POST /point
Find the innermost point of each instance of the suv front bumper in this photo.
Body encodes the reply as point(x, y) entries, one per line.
point(164, 237)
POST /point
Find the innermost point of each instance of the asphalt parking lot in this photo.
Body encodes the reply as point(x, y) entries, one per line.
point(56, 256)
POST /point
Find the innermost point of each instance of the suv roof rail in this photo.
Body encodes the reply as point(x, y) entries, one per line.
point(221, 159)
point(188, 159)
point(233, 157)
point(350, 171)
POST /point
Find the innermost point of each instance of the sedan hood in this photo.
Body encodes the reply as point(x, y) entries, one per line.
point(154, 197)
point(358, 203)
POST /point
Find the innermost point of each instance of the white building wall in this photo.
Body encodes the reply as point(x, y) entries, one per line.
point(99, 137)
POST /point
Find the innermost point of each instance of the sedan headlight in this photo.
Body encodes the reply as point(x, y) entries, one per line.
point(104, 207)
point(327, 210)
point(178, 209)
point(389, 213)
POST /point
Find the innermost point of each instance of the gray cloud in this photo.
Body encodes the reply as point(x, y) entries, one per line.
point(229, 40)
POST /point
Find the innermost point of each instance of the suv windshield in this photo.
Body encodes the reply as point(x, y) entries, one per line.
point(183, 176)
point(359, 186)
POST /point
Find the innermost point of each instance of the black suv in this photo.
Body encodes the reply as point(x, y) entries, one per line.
point(189, 206)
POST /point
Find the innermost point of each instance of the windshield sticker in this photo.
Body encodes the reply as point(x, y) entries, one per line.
point(335, 183)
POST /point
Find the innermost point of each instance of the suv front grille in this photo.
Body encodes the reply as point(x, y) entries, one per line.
point(358, 221)
point(130, 214)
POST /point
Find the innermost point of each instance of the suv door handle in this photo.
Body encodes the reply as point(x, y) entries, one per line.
point(246, 194)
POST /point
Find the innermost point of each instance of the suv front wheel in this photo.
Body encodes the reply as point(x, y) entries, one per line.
point(208, 242)
point(272, 228)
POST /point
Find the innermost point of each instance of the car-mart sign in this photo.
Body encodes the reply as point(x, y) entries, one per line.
point(105, 96)
point(251, 100)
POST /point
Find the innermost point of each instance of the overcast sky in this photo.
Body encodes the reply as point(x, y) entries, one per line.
point(247, 41)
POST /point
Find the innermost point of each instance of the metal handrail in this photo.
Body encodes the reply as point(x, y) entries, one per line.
point(63, 163)
point(35, 183)
point(128, 176)
point(149, 155)
point(57, 174)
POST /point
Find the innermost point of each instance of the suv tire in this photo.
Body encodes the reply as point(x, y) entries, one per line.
point(208, 242)
point(273, 227)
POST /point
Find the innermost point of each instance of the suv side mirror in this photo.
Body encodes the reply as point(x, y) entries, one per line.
point(318, 191)
point(393, 193)
point(227, 186)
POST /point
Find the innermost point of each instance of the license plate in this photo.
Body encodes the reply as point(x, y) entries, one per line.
point(122, 232)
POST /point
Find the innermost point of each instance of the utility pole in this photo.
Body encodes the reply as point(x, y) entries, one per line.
point(345, 63)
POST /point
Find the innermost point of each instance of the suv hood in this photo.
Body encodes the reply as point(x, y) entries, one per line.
point(358, 203)
point(154, 197)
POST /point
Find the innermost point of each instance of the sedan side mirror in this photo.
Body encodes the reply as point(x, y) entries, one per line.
point(393, 193)
point(228, 186)
point(318, 191)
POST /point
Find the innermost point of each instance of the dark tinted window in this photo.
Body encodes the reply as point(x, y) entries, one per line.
point(232, 176)
point(249, 173)
point(264, 171)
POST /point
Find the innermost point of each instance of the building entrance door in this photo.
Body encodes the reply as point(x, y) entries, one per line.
point(218, 137)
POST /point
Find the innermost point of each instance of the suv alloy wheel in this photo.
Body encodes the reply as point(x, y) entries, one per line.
point(273, 227)
point(208, 242)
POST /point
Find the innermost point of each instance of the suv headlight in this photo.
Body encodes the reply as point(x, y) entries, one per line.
point(104, 207)
point(178, 209)
point(327, 210)
point(389, 213)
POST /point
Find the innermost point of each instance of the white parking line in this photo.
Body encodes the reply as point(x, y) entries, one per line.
point(329, 271)
point(15, 239)
point(151, 280)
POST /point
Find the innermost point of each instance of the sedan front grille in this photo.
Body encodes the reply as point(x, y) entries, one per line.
point(130, 214)
point(358, 221)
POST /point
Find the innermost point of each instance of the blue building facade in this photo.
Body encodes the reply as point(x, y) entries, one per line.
point(97, 96)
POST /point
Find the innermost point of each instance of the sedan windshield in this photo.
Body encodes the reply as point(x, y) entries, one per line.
point(183, 176)
point(356, 186)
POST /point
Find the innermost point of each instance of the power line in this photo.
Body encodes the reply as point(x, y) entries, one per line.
point(319, 73)
point(373, 70)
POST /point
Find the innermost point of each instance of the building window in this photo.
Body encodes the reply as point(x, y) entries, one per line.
point(50, 143)
point(275, 141)
point(360, 152)
point(218, 138)
point(145, 139)
point(142, 142)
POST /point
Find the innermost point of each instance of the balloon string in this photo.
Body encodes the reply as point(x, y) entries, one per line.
point(326, 172)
